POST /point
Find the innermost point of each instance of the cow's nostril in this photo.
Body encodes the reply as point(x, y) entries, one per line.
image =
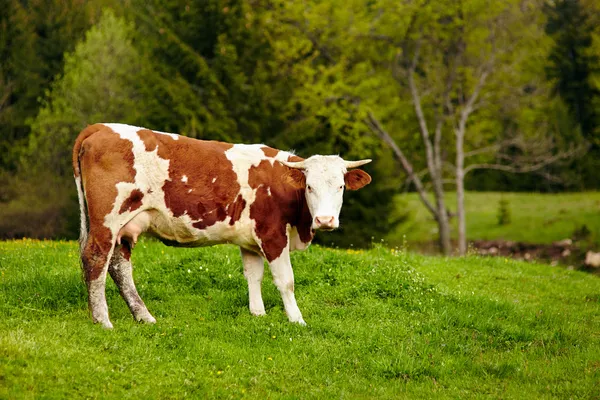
point(325, 221)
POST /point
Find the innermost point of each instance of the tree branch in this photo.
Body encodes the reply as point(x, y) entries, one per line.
point(532, 167)
point(376, 127)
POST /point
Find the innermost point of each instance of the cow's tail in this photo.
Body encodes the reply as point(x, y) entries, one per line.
point(83, 229)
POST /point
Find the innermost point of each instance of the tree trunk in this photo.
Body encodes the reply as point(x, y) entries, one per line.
point(460, 187)
point(443, 225)
point(460, 199)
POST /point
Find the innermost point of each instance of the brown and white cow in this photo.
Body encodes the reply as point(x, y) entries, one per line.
point(190, 192)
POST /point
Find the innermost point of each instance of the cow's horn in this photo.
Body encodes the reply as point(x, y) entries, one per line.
point(354, 164)
point(297, 165)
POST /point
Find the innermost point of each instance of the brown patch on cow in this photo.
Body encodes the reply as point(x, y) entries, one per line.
point(295, 178)
point(356, 179)
point(149, 139)
point(269, 151)
point(77, 149)
point(125, 250)
point(133, 202)
point(235, 209)
point(295, 158)
point(95, 253)
point(272, 212)
point(106, 160)
point(200, 161)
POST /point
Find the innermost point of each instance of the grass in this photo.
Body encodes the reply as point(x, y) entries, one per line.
point(535, 217)
point(381, 324)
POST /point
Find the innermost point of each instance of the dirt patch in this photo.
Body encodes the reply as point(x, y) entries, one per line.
point(565, 252)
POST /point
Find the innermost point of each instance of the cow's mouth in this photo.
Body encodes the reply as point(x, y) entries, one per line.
point(326, 229)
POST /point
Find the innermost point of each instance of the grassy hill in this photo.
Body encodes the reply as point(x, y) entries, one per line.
point(381, 324)
point(535, 217)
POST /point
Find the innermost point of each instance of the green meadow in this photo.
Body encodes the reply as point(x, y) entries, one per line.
point(382, 323)
point(534, 217)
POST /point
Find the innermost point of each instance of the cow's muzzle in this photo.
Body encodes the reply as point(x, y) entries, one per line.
point(326, 223)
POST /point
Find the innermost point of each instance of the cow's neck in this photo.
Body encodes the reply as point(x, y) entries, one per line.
point(303, 222)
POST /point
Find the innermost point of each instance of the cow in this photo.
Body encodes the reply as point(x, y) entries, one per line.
point(189, 192)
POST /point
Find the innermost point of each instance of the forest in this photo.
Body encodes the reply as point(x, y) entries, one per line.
point(448, 97)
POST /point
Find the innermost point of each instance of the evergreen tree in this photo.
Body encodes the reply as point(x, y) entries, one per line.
point(571, 65)
point(100, 83)
point(571, 68)
point(20, 78)
point(214, 60)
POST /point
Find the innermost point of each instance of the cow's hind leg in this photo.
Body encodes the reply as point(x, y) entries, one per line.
point(95, 258)
point(254, 268)
point(121, 272)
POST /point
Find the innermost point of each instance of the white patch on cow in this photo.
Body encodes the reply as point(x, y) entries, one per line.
point(243, 157)
point(151, 173)
point(82, 217)
point(269, 191)
point(295, 242)
point(124, 127)
point(184, 179)
point(325, 186)
point(190, 190)
point(214, 179)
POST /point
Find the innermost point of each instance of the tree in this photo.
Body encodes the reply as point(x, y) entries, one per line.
point(322, 118)
point(100, 82)
point(19, 78)
point(214, 60)
point(572, 66)
point(446, 64)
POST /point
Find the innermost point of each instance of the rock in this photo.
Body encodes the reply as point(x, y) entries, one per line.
point(592, 259)
point(566, 253)
point(564, 243)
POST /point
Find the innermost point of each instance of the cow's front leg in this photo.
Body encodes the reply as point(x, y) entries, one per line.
point(254, 268)
point(283, 276)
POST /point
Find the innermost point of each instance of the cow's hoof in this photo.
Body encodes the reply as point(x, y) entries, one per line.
point(146, 318)
point(258, 313)
point(105, 324)
point(300, 322)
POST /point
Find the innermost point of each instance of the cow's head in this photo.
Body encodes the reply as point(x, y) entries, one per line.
point(324, 179)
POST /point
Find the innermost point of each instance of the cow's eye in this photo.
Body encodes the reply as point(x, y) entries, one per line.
point(341, 187)
point(309, 188)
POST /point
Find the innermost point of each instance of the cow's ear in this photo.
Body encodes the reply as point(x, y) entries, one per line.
point(356, 179)
point(295, 178)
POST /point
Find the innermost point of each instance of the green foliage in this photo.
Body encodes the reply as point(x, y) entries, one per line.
point(215, 66)
point(98, 85)
point(573, 65)
point(20, 79)
point(300, 75)
point(381, 324)
point(34, 36)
